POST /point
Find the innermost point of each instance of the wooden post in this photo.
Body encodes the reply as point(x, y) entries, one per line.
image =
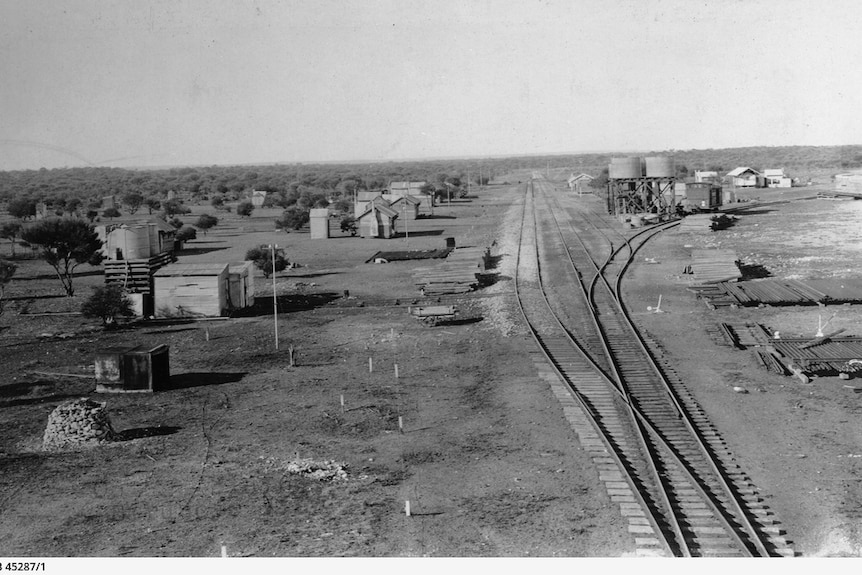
point(342, 403)
point(407, 508)
point(396, 371)
point(370, 365)
point(400, 424)
point(207, 333)
point(274, 299)
point(292, 359)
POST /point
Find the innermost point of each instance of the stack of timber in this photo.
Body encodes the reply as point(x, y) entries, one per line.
point(458, 274)
point(775, 291)
point(705, 222)
point(394, 256)
point(714, 266)
point(136, 276)
point(823, 355)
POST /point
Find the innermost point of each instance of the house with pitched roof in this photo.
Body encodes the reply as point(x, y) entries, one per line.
point(407, 206)
point(579, 183)
point(378, 220)
point(743, 177)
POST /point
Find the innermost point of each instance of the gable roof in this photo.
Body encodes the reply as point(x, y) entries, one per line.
point(162, 225)
point(383, 209)
point(407, 200)
point(739, 171)
point(581, 176)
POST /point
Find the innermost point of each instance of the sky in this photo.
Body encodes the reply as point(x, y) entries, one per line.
point(150, 83)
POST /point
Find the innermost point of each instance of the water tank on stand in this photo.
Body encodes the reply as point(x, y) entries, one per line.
point(659, 167)
point(625, 168)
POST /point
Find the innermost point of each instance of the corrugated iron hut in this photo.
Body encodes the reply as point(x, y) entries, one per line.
point(191, 290)
point(319, 223)
point(377, 221)
point(407, 206)
point(241, 285)
point(743, 177)
point(362, 201)
point(132, 369)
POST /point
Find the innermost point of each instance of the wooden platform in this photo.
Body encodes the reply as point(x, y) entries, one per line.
point(458, 274)
point(135, 275)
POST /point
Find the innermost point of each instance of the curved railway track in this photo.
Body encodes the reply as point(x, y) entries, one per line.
point(660, 459)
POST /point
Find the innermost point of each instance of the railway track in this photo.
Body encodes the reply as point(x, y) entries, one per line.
point(660, 459)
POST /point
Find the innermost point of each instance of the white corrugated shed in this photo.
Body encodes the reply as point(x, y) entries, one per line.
point(191, 290)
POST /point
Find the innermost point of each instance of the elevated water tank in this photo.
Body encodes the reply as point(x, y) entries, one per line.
point(659, 167)
point(625, 168)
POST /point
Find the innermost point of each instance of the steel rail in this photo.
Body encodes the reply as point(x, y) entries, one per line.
point(588, 410)
point(717, 471)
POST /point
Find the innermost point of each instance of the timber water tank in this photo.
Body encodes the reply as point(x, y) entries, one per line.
point(625, 168)
point(659, 167)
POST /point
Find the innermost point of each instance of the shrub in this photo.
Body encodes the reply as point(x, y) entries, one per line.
point(244, 209)
point(348, 225)
point(262, 258)
point(7, 270)
point(107, 303)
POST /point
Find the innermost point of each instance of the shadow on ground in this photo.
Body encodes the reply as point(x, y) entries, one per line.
point(199, 379)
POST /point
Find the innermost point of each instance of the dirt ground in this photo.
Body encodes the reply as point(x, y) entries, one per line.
point(484, 456)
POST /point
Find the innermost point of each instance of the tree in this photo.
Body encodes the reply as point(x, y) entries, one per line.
point(174, 207)
point(133, 201)
point(348, 225)
point(10, 231)
point(153, 203)
point(91, 215)
point(293, 218)
point(74, 204)
point(7, 270)
point(186, 234)
point(111, 213)
point(21, 208)
point(262, 258)
point(244, 209)
point(217, 202)
point(205, 222)
point(107, 303)
point(66, 243)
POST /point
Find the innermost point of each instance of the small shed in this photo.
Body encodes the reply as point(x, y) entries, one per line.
point(579, 183)
point(377, 221)
point(191, 290)
point(705, 176)
point(743, 177)
point(407, 206)
point(131, 369)
point(776, 179)
point(319, 223)
point(258, 197)
point(241, 285)
point(362, 201)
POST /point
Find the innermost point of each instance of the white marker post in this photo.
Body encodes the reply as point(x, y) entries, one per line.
point(407, 508)
point(342, 404)
point(396, 371)
point(370, 365)
point(400, 424)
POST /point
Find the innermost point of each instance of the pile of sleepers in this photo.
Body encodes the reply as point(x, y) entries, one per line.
point(705, 222)
point(395, 256)
point(458, 274)
point(714, 266)
point(774, 291)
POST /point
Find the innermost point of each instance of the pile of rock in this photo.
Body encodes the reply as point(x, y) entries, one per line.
point(77, 423)
point(320, 470)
